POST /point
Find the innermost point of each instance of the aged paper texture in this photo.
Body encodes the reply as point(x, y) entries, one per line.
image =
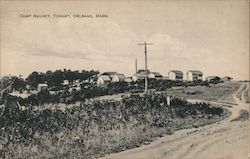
point(125, 79)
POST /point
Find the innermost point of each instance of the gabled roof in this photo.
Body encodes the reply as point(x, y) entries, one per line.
point(142, 71)
point(121, 76)
point(156, 74)
point(176, 71)
point(109, 73)
point(139, 75)
point(105, 77)
point(195, 72)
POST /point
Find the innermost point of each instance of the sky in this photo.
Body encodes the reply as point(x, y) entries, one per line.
point(210, 36)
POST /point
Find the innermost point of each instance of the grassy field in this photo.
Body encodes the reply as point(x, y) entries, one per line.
point(97, 128)
point(215, 92)
point(221, 91)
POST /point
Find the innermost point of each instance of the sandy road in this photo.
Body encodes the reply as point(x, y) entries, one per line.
point(223, 140)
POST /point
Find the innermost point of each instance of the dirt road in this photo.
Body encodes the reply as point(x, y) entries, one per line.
point(223, 140)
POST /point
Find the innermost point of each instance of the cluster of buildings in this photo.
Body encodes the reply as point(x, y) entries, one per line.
point(175, 75)
point(191, 75)
point(109, 77)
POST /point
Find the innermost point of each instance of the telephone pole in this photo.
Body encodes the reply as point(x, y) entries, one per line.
point(146, 69)
point(135, 65)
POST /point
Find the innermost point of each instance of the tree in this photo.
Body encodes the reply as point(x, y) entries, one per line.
point(18, 83)
point(33, 79)
point(49, 78)
point(57, 78)
point(43, 96)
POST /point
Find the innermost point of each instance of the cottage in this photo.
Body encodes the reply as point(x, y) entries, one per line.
point(140, 75)
point(42, 86)
point(128, 79)
point(155, 75)
point(103, 79)
point(65, 82)
point(193, 75)
point(175, 75)
point(119, 77)
point(114, 76)
point(110, 74)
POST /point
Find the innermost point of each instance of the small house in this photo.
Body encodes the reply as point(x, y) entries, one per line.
point(194, 75)
point(118, 77)
point(140, 75)
point(155, 75)
point(128, 79)
point(42, 86)
point(65, 82)
point(110, 74)
point(103, 79)
point(175, 75)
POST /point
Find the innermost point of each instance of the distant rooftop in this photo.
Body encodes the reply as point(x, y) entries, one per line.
point(109, 73)
point(105, 77)
point(195, 72)
point(157, 74)
point(176, 71)
point(142, 71)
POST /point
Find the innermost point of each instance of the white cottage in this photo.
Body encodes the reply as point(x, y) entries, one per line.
point(128, 79)
point(119, 77)
point(110, 74)
point(155, 75)
point(42, 86)
point(140, 75)
point(175, 75)
point(103, 79)
point(66, 82)
point(194, 75)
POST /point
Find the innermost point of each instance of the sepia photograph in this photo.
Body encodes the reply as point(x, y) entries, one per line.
point(124, 79)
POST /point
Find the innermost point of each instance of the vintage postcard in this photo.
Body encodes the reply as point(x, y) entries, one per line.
point(124, 79)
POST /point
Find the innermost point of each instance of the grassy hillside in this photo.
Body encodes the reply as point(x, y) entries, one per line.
point(97, 128)
point(221, 91)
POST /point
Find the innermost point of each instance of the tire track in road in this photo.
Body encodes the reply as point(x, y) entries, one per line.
point(207, 139)
point(225, 137)
point(243, 99)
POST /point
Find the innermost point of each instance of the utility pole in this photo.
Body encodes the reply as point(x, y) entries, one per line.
point(146, 69)
point(135, 65)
